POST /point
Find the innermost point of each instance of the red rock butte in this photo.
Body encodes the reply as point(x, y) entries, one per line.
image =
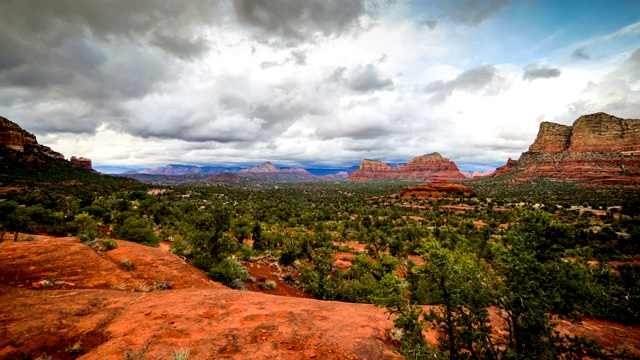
point(431, 167)
point(81, 162)
point(596, 147)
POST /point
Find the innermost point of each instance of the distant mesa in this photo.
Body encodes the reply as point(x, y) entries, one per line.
point(15, 138)
point(599, 148)
point(437, 189)
point(269, 172)
point(266, 167)
point(432, 167)
point(81, 162)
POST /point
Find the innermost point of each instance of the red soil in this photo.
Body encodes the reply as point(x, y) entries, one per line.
point(268, 270)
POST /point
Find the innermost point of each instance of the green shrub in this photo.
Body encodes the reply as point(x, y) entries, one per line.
point(268, 285)
point(227, 272)
point(108, 244)
point(127, 264)
point(137, 230)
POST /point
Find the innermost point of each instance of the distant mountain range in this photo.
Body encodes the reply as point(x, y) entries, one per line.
point(266, 170)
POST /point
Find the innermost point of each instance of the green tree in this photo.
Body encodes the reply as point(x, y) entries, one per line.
point(137, 230)
point(458, 283)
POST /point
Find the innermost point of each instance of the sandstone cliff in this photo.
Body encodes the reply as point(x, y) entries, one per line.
point(426, 167)
point(14, 137)
point(597, 147)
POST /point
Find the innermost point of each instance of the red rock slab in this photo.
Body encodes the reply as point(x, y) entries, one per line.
point(220, 323)
point(205, 317)
point(65, 262)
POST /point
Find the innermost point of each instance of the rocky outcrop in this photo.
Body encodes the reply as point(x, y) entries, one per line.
point(436, 189)
point(81, 162)
point(598, 147)
point(605, 133)
point(431, 167)
point(551, 138)
point(15, 138)
point(506, 168)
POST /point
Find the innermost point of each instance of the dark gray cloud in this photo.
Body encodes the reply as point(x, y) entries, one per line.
point(467, 12)
point(182, 47)
point(580, 54)
point(474, 79)
point(300, 20)
point(367, 78)
point(95, 55)
point(361, 78)
point(535, 71)
point(299, 57)
point(430, 22)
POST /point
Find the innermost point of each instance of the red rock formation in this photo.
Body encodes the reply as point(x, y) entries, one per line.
point(436, 189)
point(605, 133)
point(426, 167)
point(81, 162)
point(506, 168)
point(597, 147)
point(14, 137)
point(551, 138)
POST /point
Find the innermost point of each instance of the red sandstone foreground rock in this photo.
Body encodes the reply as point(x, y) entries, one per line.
point(598, 147)
point(436, 189)
point(431, 167)
point(84, 305)
point(55, 293)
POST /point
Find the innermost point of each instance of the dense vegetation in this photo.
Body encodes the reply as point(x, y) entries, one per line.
point(531, 259)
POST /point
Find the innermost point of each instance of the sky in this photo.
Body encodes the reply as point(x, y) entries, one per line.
point(315, 83)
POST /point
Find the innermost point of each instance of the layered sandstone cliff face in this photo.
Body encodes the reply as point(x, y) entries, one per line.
point(432, 167)
point(14, 137)
point(598, 147)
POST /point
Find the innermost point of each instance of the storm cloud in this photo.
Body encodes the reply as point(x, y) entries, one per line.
point(299, 20)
